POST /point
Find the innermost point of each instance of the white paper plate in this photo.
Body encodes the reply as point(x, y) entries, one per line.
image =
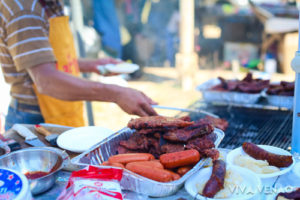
point(296, 169)
point(239, 151)
point(251, 182)
point(81, 139)
point(122, 68)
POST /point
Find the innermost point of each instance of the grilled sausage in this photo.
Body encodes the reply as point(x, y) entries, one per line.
point(175, 176)
point(156, 174)
point(130, 157)
point(117, 165)
point(260, 154)
point(183, 170)
point(216, 180)
point(105, 163)
point(151, 163)
point(179, 159)
point(292, 195)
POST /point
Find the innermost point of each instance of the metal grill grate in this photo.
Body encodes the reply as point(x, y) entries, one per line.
point(260, 126)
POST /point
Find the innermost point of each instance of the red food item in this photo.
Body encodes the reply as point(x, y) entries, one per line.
point(260, 154)
point(130, 157)
point(185, 134)
point(216, 180)
point(157, 122)
point(93, 183)
point(150, 172)
point(175, 176)
point(151, 163)
point(179, 159)
point(183, 170)
point(36, 174)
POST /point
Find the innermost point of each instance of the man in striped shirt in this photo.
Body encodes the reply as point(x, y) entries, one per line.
point(26, 57)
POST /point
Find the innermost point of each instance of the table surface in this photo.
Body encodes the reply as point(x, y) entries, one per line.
point(286, 180)
point(289, 179)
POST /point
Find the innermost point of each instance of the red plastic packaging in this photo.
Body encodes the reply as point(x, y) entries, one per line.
point(93, 184)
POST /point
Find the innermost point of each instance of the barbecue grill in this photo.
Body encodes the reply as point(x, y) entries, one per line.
point(257, 125)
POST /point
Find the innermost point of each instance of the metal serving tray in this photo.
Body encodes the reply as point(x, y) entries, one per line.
point(228, 97)
point(131, 181)
point(280, 101)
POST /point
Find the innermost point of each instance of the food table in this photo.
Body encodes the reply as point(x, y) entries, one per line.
point(63, 176)
point(289, 179)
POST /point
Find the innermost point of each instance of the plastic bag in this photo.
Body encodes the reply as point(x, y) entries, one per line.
point(93, 184)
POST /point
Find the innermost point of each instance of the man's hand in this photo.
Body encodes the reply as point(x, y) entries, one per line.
point(135, 102)
point(90, 66)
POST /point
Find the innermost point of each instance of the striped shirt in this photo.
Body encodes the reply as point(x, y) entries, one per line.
point(23, 44)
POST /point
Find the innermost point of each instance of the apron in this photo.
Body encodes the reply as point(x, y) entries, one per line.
point(55, 111)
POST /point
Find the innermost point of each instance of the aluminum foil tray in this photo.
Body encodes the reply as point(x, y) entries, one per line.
point(131, 181)
point(228, 97)
point(280, 101)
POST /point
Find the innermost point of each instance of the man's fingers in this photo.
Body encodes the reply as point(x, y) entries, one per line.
point(140, 112)
point(148, 109)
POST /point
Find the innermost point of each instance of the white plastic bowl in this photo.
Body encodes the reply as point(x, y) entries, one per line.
point(296, 169)
point(239, 151)
point(250, 181)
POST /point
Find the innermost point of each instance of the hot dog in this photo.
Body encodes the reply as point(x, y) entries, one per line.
point(261, 154)
point(130, 157)
point(117, 165)
point(175, 176)
point(150, 163)
point(105, 163)
point(156, 174)
point(183, 170)
point(216, 180)
point(179, 159)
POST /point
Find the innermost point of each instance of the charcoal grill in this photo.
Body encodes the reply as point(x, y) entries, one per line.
point(260, 126)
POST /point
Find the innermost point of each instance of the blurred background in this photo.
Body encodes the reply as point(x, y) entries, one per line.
point(179, 44)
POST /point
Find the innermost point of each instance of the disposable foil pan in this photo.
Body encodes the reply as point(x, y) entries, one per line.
point(280, 101)
point(228, 97)
point(131, 181)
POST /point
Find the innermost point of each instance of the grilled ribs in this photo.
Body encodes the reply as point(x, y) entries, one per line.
point(216, 122)
point(185, 134)
point(170, 148)
point(157, 122)
point(200, 144)
point(136, 142)
point(246, 85)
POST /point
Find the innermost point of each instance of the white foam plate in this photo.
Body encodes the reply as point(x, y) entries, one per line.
point(251, 181)
point(81, 139)
point(122, 68)
point(296, 169)
point(239, 151)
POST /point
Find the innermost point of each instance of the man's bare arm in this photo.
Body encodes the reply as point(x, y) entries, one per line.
point(60, 85)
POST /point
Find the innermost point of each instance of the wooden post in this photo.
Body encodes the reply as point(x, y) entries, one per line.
point(187, 59)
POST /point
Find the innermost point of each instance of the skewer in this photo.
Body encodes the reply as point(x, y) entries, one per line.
point(185, 110)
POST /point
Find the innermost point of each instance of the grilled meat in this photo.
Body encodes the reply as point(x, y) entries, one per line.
point(247, 85)
point(200, 144)
point(170, 148)
point(154, 147)
point(185, 134)
point(214, 154)
point(216, 122)
point(136, 142)
point(122, 150)
point(282, 89)
point(157, 122)
point(151, 131)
